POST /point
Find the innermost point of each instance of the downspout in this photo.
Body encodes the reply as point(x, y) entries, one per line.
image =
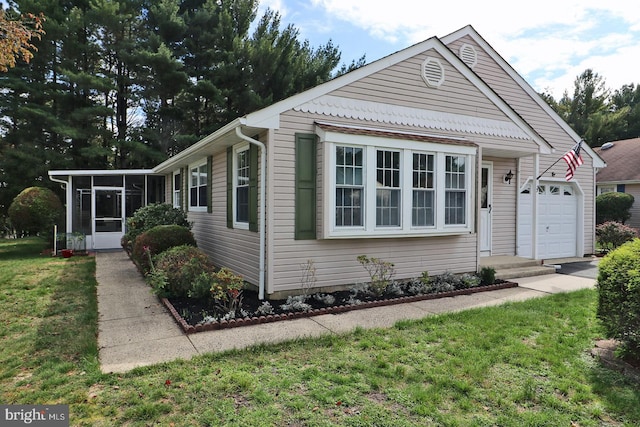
point(263, 204)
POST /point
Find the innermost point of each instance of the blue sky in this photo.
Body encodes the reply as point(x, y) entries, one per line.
point(549, 42)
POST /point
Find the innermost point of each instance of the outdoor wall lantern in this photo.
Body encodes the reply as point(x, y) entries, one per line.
point(508, 177)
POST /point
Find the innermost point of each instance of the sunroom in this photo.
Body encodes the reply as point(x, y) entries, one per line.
point(98, 202)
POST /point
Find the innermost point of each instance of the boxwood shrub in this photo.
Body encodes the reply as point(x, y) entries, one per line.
point(157, 240)
point(619, 297)
point(182, 266)
point(149, 216)
point(34, 211)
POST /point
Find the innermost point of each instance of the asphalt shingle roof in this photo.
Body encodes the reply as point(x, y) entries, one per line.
point(623, 161)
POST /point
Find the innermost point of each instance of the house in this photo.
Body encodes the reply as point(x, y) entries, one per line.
point(428, 158)
point(622, 174)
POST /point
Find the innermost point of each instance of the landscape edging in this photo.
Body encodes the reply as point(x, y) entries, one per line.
point(246, 321)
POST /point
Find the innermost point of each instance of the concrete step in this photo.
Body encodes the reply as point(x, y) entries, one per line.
point(513, 262)
point(527, 271)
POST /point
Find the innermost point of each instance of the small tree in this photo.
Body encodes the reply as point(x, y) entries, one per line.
point(613, 207)
point(619, 297)
point(612, 234)
point(35, 211)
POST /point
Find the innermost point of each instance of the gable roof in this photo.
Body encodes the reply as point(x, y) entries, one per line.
point(469, 31)
point(269, 117)
point(623, 158)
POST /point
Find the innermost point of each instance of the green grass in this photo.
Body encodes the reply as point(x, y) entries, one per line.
point(520, 364)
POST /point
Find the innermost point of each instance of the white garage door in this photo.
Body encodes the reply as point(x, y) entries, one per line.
point(557, 221)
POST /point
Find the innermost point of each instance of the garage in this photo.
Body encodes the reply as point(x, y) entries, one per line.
point(558, 220)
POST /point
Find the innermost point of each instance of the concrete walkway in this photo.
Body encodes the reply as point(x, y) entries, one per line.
point(136, 330)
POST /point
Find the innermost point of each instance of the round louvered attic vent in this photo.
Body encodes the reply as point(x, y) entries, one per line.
point(468, 55)
point(432, 72)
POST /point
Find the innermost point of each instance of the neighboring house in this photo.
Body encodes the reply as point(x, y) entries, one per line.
point(622, 173)
point(425, 158)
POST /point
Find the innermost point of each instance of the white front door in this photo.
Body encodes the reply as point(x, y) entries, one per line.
point(108, 217)
point(486, 177)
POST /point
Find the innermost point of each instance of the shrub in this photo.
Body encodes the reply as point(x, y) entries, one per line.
point(35, 211)
point(612, 234)
point(157, 240)
point(613, 206)
point(182, 266)
point(618, 287)
point(379, 271)
point(151, 216)
point(487, 276)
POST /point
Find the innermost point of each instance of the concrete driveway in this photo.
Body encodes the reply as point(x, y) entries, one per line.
point(588, 269)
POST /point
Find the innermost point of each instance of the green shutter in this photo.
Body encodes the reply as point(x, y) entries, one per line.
point(253, 187)
point(209, 184)
point(305, 194)
point(230, 187)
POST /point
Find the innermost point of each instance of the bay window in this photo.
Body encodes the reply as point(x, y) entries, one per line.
point(390, 187)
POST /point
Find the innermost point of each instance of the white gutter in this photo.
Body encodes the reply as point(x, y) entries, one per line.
point(263, 204)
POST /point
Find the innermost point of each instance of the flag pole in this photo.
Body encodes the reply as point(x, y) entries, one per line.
point(547, 169)
point(554, 163)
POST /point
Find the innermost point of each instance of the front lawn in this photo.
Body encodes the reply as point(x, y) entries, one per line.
point(521, 364)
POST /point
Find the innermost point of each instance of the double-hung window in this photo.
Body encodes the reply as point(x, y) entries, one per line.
point(388, 194)
point(455, 190)
point(423, 205)
point(177, 187)
point(198, 188)
point(349, 175)
point(241, 186)
point(380, 187)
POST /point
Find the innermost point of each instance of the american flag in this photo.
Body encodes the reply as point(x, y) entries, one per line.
point(573, 159)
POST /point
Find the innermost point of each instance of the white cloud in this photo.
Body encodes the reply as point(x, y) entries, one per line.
point(549, 42)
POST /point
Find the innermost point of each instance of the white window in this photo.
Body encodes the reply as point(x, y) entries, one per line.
point(606, 189)
point(241, 186)
point(455, 190)
point(423, 208)
point(349, 173)
point(198, 188)
point(394, 188)
point(388, 192)
point(177, 187)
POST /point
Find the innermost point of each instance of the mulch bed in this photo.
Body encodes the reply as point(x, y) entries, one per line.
point(195, 310)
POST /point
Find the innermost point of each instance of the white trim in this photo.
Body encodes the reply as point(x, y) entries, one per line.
point(102, 172)
point(348, 108)
point(432, 72)
point(242, 225)
point(174, 191)
point(197, 165)
point(369, 229)
point(489, 165)
point(469, 31)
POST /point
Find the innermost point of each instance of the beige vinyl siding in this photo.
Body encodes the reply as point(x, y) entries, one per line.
point(402, 84)
point(548, 128)
point(335, 260)
point(232, 248)
point(503, 211)
point(634, 190)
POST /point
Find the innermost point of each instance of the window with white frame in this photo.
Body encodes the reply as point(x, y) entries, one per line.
point(198, 188)
point(177, 187)
point(423, 205)
point(455, 190)
point(349, 175)
point(388, 189)
point(241, 186)
point(396, 188)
